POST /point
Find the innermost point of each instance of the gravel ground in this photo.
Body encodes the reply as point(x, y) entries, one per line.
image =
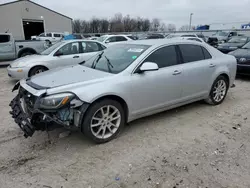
point(193, 146)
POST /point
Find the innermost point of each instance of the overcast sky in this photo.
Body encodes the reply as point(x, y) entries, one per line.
point(169, 11)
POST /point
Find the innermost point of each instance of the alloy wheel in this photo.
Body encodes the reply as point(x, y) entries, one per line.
point(219, 90)
point(105, 122)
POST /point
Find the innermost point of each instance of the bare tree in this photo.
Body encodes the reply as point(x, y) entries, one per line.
point(184, 28)
point(171, 27)
point(155, 24)
point(145, 25)
point(127, 23)
point(77, 26)
point(104, 26)
point(163, 27)
point(116, 24)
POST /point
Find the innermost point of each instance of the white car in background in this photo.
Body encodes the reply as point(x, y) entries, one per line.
point(63, 53)
point(193, 35)
point(113, 39)
point(51, 37)
point(190, 38)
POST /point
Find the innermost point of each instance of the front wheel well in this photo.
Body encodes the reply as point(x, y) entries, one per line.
point(29, 74)
point(26, 50)
point(225, 76)
point(118, 99)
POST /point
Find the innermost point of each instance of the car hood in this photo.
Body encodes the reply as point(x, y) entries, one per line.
point(241, 53)
point(226, 45)
point(68, 75)
point(28, 60)
point(220, 38)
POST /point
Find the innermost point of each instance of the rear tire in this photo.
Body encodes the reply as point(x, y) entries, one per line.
point(103, 121)
point(37, 70)
point(218, 91)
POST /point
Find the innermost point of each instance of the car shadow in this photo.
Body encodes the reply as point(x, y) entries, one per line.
point(243, 77)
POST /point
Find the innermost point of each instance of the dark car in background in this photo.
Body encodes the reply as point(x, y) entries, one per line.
point(243, 59)
point(144, 36)
point(233, 44)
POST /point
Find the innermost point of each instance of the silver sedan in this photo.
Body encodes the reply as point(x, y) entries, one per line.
point(123, 83)
point(63, 53)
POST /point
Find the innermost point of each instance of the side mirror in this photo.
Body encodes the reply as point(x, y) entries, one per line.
point(107, 41)
point(148, 66)
point(58, 53)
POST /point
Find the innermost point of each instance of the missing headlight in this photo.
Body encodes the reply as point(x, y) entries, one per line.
point(66, 115)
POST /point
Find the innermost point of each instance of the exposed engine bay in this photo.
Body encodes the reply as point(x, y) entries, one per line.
point(45, 113)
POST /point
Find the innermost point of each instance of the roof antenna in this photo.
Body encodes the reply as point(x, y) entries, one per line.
point(7, 31)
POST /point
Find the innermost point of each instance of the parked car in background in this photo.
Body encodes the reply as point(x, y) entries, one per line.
point(155, 36)
point(233, 44)
point(174, 35)
point(133, 37)
point(64, 53)
point(11, 49)
point(123, 83)
point(111, 39)
point(93, 38)
point(223, 36)
point(73, 36)
point(190, 38)
point(50, 37)
point(243, 59)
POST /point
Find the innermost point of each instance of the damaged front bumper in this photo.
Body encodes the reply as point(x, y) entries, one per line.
point(30, 118)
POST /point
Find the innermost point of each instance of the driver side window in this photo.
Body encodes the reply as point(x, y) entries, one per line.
point(69, 49)
point(163, 57)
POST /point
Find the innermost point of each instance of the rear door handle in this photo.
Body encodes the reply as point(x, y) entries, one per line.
point(212, 65)
point(176, 72)
point(76, 56)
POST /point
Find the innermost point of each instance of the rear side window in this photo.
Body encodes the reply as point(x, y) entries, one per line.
point(164, 57)
point(207, 55)
point(191, 53)
point(57, 35)
point(4, 38)
point(188, 35)
point(120, 38)
point(48, 35)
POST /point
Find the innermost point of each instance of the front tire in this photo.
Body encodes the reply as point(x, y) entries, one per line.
point(103, 121)
point(218, 91)
point(37, 70)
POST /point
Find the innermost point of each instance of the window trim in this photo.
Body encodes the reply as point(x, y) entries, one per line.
point(162, 46)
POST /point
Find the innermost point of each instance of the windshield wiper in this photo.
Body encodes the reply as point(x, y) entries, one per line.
point(96, 60)
point(109, 64)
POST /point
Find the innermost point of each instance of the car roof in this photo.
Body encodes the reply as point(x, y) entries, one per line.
point(159, 42)
point(82, 40)
point(180, 34)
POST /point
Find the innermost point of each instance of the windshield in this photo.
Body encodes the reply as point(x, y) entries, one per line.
point(102, 38)
point(222, 34)
point(52, 48)
point(246, 46)
point(172, 36)
point(116, 58)
point(237, 40)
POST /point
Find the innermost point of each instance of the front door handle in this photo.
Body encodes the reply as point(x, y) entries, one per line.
point(76, 56)
point(176, 72)
point(212, 65)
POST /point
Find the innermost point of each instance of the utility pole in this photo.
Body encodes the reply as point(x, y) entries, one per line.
point(190, 21)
